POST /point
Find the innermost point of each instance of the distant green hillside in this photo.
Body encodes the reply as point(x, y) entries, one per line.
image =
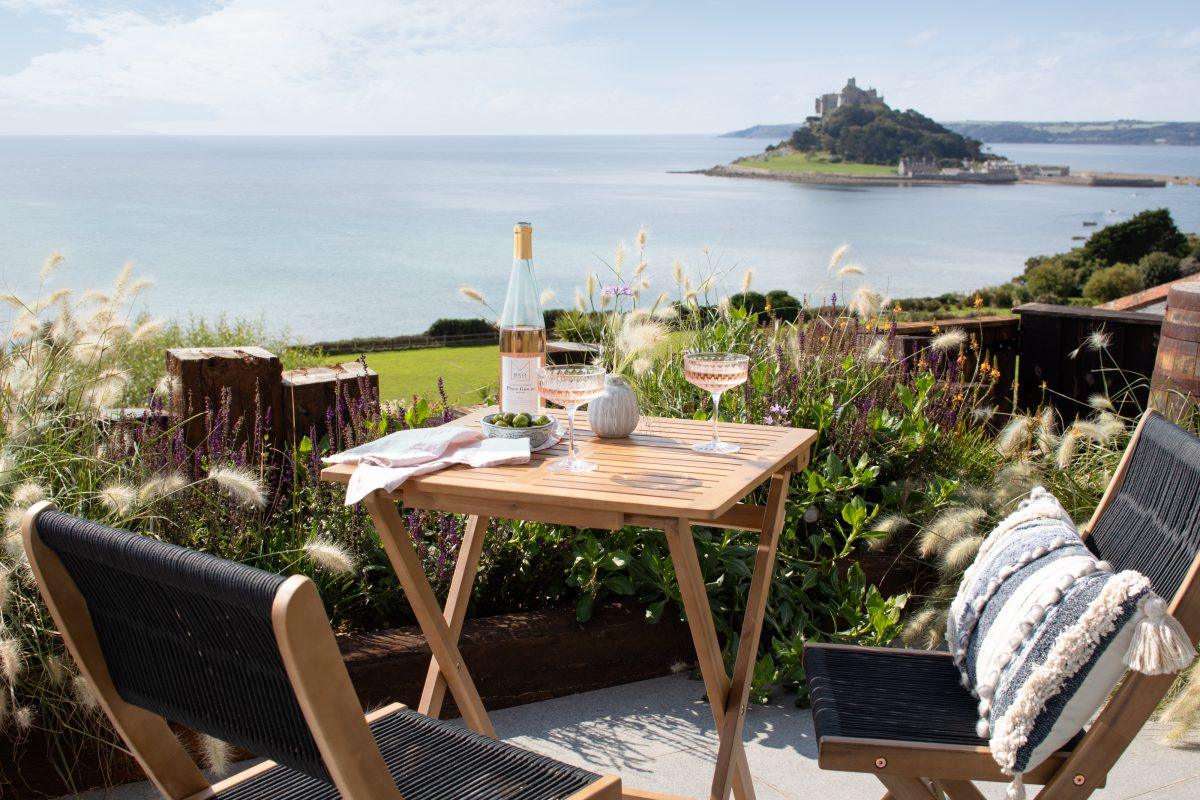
point(876, 134)
point(779, 131)
point(1122, 131)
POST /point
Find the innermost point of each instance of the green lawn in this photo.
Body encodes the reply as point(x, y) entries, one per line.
point(469, 372)
point(818, 162)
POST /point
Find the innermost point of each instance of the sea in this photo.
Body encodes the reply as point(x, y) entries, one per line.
point(329, 238)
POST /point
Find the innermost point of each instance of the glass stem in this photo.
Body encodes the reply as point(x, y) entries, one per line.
point(571, 432)
point(716, 414)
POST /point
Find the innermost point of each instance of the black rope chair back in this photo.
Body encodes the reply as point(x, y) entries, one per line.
point(187, 636)
point(1152, 523)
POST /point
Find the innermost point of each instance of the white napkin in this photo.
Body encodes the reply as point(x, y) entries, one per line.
point(388, 462)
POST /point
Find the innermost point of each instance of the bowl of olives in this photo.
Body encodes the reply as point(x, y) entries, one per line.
point(537, 428)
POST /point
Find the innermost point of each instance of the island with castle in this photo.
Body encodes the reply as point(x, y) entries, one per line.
point(854, 137)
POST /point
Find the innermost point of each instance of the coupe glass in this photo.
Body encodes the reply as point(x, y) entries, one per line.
point(570, 386)
point(716, 373)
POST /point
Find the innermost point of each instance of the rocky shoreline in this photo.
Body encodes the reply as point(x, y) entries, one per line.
point(1077, 179)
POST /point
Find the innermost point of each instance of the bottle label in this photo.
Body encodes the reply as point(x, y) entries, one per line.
point(518, 384)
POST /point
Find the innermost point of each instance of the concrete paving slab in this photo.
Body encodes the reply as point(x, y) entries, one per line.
point(659, 735)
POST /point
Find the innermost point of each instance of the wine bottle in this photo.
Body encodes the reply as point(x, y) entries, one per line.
point(522, 330)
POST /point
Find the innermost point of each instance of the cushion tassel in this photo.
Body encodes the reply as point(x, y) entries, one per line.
point(1016, 788)
point(1160, 645)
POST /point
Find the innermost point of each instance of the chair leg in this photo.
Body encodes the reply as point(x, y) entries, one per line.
point(903, 788)
point(960, 790)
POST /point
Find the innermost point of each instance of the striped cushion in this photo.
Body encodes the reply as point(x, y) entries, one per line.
point(1039, 631)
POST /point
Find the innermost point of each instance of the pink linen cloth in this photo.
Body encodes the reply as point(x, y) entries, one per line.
point(388, 462)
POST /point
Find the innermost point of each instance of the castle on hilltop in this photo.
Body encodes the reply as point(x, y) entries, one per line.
point(850, 95)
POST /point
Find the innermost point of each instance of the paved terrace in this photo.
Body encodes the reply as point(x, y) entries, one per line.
point(658, 735)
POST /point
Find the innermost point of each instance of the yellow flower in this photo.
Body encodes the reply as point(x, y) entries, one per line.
point(979, 301)
point(935, 330)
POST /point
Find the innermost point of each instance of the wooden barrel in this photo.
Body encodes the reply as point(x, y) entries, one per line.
point(1175, 386)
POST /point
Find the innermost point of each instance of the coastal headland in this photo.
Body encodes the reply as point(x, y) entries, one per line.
point(836, 178)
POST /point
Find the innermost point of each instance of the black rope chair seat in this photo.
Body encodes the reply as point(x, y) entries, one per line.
point(896, 695)
point(434, 760)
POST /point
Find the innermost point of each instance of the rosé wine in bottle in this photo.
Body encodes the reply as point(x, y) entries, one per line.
point(522, 331)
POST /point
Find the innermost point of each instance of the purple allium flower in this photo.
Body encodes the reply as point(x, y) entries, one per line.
point(617, 290)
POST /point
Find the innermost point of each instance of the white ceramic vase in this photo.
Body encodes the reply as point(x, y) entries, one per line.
point(614, 413)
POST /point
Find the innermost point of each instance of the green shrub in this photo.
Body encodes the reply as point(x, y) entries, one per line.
point(1189, 265)
point(783, 305)
point(1159, 268)
point(752, 302)
point(460, 327)
point(1127, 242)
point(1051, 282)
point(1112, 282)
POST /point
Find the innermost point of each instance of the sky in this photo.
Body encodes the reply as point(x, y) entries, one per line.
point(576, 66)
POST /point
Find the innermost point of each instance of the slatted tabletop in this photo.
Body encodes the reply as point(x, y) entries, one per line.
point(654, 472)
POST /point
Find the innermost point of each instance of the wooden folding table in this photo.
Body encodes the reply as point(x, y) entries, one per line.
point(652, 479)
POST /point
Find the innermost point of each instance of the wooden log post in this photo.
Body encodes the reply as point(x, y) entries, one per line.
point(1175, 385)
point(310, 392)
point(241, 383)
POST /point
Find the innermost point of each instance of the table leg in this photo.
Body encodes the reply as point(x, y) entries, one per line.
point(457, 601)
point(704, 637)
point(752, 624)
point(403, 555)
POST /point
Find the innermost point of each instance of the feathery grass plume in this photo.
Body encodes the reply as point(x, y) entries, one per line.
point(641, 239)
point(215, 754)
point(1067, 447)
point(747, 279)
point(1183, 710)
point(84, 694)
point(123, 279)
point(605, 301)
point(948, 527)
point(837, 256)
point(706, 284)
point(241, 485)
point(12, 660)
point(1109, 424)
point(50, 264)
point(118, 498)
point(1015, 435)
point(1101, 402)
point(619, 259)
point(850, 269)
point(1046, 435)
point(952, 339)
point(56, 670)
point(1098, 340)
point(167, 386)
point(641, 366)
point(146, 330)
point(27, 494)
point(589, 285)
point(329, 555)
point(547, 297)
point(866, 302)
point(887, 527)
point(639, 336)
point(160, 486)
point(640, 268)
point(959, 555)
point(983, 413)
point(637, 316)
point(23, 719)
point(923, 627)
point(723, 307)
point(877, 349)
point(1013, 481)
point(665, 312)
point(471, 293)
point(14, 300)
point(5, 590)
point(580, 301)
point(677, 272)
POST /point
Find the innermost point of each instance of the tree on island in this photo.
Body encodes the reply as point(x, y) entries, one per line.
point(877, 134)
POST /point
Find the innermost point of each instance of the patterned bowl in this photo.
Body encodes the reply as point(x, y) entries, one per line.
point(537, 435)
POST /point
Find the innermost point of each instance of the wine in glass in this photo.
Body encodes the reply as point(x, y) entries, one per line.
point(570, 386)
point(716, 373)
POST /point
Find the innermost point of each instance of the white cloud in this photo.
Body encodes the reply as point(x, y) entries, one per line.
point(923, 37)
point(272, 65)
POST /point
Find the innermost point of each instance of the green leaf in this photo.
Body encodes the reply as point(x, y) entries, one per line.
point(583, 609)
point(619, 584)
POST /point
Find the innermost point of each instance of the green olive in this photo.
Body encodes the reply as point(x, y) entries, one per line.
point(508, 418)
point(541, 419)
point(521, 421)
point(500, 424)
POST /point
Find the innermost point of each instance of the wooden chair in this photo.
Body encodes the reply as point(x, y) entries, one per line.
point(163, 634)
point(903, 716)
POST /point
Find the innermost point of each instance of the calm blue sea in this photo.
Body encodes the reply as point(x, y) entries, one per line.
point(336, 237)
